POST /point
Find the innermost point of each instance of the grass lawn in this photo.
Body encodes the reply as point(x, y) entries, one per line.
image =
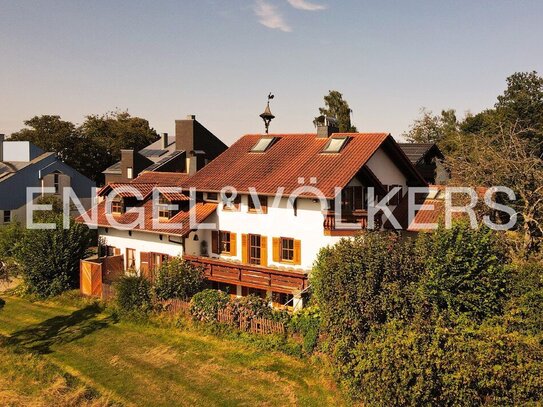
point(145, 365)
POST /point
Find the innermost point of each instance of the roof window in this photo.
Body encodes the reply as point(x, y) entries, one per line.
point(263, 144)
point(335, 145)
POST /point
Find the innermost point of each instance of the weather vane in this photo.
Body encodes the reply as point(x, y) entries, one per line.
point(267, 116)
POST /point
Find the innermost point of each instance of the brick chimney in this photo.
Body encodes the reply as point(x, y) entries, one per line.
point(326, 126)
point(164, 139)
point(184, 133)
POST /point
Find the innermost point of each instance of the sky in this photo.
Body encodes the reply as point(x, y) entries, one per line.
point(164, 60)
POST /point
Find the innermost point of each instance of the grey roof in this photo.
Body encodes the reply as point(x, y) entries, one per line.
point(164, 160)
point(416, 151)
point(8, 168)
point(154, 152)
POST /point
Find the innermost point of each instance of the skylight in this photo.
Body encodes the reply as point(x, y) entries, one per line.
point(263, 144)
point(335, 145)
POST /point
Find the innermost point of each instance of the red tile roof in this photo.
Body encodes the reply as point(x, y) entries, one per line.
point(290, 158)
point(170, 179)
point(201, 210)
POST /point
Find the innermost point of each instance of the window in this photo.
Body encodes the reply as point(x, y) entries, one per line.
point(254, 206)
point(7, 216)
point(117, 205)
point(230, 204)
point(56, 183)
point(224, 242)
point(335, 145)
point(287, 249)
point(263, 144)
point(282, 299)
point(395, 200)
point(163, 211)
point(158, 259)
point(212, 196)
point(352, 199)
point(254, 249)
point(130, 259)
point(129, 173)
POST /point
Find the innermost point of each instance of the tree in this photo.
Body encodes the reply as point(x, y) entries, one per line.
point(507, 159)
point(49, 258)
point(430, 128)
point(336, 106)
point(521, 104)
point(93, 146)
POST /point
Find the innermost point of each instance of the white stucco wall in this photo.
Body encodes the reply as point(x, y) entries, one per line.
point(385, 170)
point(141, 242)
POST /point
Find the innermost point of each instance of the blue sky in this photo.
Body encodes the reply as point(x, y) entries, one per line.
point(217, 59)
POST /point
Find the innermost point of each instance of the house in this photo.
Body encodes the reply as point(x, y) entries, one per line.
point(264, 237)
point(428, 159)
point(24, 165)
point(186, 152)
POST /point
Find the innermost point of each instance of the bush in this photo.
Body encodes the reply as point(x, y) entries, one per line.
point(363, 282)
point(133, 294)
point(307, 323)
point(10, 238)
point(205, 305)
point(49, 258)
point(525, 305)
point(2, 303)
point(178, 279)
point(249, 307)
point(465, 270)
point(444, 364)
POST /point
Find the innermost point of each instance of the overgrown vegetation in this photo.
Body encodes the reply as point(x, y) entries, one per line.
point(133, 294)
point(445, 320)
point(178, 279)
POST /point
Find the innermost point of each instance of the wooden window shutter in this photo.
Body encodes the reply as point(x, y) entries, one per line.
point(263, 251)
point(215, 241)
point(244, 248)
point(144, 263)
point(264, 204)
point(298, 252)
point(117, 251)
point(233, 244)
point(276, 249)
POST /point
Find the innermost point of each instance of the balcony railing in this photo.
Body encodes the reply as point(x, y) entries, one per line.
point(351, 222)
point(264, 278)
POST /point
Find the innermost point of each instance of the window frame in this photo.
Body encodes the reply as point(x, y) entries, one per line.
point(223, 243)
point(326, 147)
point(56, 182)
point(131, 259)
point(163, 211)
point(235, 205)
point(117, 205)
point(6, 212)
point(282, 249)
point(263, 201)
point(256, 247)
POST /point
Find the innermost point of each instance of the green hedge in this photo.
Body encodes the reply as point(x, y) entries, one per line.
point(133, 294)
point(205, 304)
point(178, 279)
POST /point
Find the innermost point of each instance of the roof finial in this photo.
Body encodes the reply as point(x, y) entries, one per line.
point(267, 116)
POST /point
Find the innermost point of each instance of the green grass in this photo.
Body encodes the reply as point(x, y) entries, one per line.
point(141, 364)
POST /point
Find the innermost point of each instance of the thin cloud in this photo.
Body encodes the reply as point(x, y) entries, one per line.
point(306, 5)
point(269, 16)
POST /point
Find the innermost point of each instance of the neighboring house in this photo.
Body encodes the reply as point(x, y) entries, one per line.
point(428, 159)
point(188, 151)
point(23, 165)
point(256, 247)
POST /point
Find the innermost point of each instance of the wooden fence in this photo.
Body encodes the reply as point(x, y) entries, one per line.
point(255, 325)
point(174, 307)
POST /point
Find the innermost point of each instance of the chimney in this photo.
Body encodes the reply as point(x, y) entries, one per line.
point(2, 136)
point(326, 126)
point(164, 139)
point(185, 133)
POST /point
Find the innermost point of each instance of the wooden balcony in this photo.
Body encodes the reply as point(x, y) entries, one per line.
point(246, 275)
point(351, 223)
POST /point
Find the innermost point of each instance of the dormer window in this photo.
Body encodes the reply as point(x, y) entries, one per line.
point(335, 145)
point(163, 211)
point(263, 144)
point(117, 206)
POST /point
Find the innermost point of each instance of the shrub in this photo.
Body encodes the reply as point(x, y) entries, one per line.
point(525, 305)
point(445, 364)
point(133, 294)
point(205, 304)
point(49, 258)
point(307, 323)
point(178, 279)
point(465, 270)
point(10, 237)
point(363, 282)
point(249, 307)
point(2, 303)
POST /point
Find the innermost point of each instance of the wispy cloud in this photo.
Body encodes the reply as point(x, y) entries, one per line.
point(269, 16)
point(306, 5)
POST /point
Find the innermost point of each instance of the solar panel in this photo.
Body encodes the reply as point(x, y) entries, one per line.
point(147, 152)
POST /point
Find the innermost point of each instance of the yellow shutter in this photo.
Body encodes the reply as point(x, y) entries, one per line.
point(233, 244)
point(298, 252)
point(277, 249)
point(244, 248)
point(264, 251)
